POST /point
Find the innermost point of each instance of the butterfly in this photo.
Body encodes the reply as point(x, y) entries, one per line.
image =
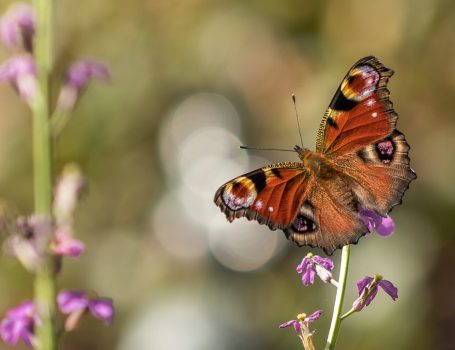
point(361, 162)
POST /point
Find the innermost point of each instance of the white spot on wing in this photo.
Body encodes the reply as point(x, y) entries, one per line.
point(374, 114)
point(270, 209)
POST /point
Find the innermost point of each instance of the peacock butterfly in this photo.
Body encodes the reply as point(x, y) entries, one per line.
point(361, 162)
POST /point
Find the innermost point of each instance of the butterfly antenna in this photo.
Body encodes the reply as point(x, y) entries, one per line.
point(297, 117)
point(267, 149)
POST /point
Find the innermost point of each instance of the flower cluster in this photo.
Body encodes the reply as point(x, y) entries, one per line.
point(301, 327)
point(367, 288)
point(43, 241)
point(35, 236)
point(315, 265)
point(17, 29)
point(20, 322)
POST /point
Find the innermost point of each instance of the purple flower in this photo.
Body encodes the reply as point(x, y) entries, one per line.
point(294, 323)
point(19, 322)
point(76, 303)
point(367, 288)
point(103, 309)
point(312, 265)
point(20, 72)
point(77, 79)
point(17, 26)
point(383, 225)
point(302, 321)
point(65, 245)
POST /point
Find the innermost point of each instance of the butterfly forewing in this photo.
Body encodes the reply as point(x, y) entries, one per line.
point(360, 112)
point(270, 195)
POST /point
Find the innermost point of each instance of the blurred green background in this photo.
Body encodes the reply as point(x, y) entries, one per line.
point(192, 80)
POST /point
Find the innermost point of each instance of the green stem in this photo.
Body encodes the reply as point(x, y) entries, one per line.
point(336, 320)
point(347, 314)
point(44, 281)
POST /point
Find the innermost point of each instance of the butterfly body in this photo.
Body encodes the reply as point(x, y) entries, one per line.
point(360, 162)
point(316, 163)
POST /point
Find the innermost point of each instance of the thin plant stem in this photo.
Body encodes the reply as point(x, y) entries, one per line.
point(334, 282)
point(42, 163)
point(347, 314)
point(336, 320)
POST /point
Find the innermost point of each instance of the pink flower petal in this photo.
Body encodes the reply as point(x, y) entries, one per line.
point(70, 301)
point(103, 309)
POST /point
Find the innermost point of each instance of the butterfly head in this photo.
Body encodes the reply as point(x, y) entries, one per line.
point(301, 152)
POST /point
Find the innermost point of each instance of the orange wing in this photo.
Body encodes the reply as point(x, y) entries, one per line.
point(271, 195)
point(378, 174)
point(360, 112)
point(311, 211)
point(358, 134)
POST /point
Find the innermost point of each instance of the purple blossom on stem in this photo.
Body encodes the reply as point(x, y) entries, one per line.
point(77, 79)
point(19, 323)
point(17, 26)
point(65, 245)
point(312, 265)
point(294, 323)
point(367, 288)
point(20, 72)
point(383, 225)
point(76, 303)
point(302, 320)
point(302, 328)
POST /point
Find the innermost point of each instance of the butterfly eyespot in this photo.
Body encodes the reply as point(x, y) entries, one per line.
point(385, 150)
point(240, 194)
point(302, 224)
point(361, 84)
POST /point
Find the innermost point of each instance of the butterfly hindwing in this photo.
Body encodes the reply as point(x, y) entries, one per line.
point(378, 174)
point(360, 112)
point(327, 218)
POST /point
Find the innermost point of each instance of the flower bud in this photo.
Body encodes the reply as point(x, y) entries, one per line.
point(77, 79)
point(17, 26)
point(20, 72)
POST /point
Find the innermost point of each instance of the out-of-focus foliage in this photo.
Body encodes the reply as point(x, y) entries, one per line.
point(192, 80)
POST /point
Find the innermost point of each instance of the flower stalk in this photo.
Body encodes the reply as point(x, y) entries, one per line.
point(44, 281)
point(336, 319)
